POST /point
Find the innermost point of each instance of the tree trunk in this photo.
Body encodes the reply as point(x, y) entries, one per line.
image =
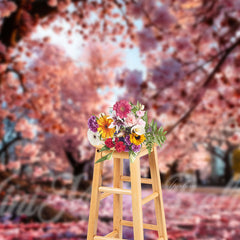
point(228, 169)
point(228, 173)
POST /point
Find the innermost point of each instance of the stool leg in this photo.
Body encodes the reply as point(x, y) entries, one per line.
point(136, 199)
point(95, 198)
point(117, 198)
point(156, 186)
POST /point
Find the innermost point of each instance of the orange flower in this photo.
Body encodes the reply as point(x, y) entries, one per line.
point(104, 122)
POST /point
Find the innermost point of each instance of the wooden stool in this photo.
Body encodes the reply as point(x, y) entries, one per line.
point(99, 192)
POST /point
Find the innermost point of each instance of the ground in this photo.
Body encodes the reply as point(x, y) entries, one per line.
point(190, 215)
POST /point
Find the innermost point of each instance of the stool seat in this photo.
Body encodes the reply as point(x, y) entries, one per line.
point(124, 155)
point(100, 192)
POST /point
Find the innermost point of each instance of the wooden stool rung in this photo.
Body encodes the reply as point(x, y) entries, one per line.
point(145, 225)
point(104, 195)
point(150, 197)
point(143, 180)
point(112, 234)
point(107, 238)
point(115, 190)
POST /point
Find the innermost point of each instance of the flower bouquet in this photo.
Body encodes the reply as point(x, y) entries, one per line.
point(125, 129)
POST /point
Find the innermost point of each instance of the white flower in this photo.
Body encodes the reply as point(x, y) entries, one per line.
point(138, 129)
point(94, 138)
point(117, 121)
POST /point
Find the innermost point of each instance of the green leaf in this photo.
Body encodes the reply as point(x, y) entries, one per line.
point(151, 124)
point(157, 140)
point(145, 117)
point(104, 148)
point(155, 127)
point(106, 157)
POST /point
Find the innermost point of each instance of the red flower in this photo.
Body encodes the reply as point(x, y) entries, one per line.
point(120, 147)
point(109, 143)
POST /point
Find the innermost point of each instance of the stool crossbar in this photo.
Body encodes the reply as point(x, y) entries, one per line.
point(100, 192)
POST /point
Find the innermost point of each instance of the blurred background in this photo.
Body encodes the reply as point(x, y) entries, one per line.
point(63, 60)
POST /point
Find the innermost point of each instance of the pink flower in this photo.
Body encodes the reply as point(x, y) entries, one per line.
point(131, 119)
point(141, 122)
point(122, 108)
point(140, 113)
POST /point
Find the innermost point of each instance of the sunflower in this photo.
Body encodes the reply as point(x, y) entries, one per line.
point(104, 122)
point(137, 139)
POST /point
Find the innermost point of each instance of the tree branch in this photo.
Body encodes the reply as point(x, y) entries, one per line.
point(6, 146)
point(197, 99)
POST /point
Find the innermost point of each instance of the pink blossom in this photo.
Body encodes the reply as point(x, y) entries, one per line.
point(182, 44)
point(163, 18)
point(131, 79)
point(30, 150)
point(131, 119)
point(13, 165)
point(2, 167)
point(140, 113)
point(7, 8)
point(135, 9)
point(147, 40)
point(168, 73)
point(27, 130)
point(2, 47)
point(52, 3)
point(3, 67)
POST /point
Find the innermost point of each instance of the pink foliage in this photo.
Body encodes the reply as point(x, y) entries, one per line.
point(190, 215)
point(147, 40)
point(168, 73)
point(162, 18)
point(52, 3)
point(182, 44)
point(27, 130)
point(2, 48)
point(7, 8)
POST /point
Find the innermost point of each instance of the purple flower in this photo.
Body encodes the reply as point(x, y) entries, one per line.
point(92, 124)
point(127, 140)
point(126, 148)
point(136, 148)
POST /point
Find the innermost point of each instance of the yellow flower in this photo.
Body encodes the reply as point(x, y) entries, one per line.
point(137, 139)
point(104, 122)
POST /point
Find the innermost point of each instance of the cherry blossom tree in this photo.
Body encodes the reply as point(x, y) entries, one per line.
point(190, 50)
point(191, 86)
